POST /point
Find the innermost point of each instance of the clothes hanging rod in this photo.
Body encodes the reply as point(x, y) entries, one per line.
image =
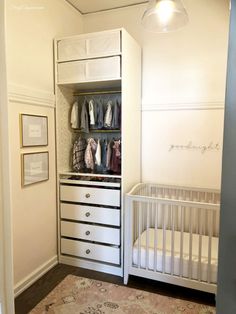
point(99, 131)
point(98, 93)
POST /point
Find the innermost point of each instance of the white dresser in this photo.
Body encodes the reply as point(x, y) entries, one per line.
point(90, 219)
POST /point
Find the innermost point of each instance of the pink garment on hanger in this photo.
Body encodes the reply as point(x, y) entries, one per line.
point(89, 154)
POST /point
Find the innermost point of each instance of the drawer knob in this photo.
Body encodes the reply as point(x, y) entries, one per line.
point(87, 251)
point(87, 214)
point(87, 195)
point(87, 233)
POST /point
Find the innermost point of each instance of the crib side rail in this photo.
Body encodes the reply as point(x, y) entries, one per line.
point(199, 195)
point(142, 186)
point(194, 204)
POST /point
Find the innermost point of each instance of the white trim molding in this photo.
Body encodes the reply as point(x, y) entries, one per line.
point(219, 105)
point(35, 275)
point(30, 96)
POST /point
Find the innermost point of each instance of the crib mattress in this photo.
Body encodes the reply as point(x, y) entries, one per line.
point(141, 259)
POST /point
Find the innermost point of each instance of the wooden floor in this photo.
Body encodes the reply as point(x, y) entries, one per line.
point(34, 294)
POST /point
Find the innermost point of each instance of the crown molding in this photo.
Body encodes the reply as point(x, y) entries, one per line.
point(30, 96)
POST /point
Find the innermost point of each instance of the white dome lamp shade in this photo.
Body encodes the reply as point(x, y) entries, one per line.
point(163, 16)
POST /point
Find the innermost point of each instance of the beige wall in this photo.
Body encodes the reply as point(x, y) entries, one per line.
point(31, 27)
point(6, 267)
point(183, 87)
point(34, 207)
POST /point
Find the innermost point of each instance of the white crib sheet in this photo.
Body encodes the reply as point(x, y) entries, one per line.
point(176, 262)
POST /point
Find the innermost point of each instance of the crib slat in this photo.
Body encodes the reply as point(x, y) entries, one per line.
point(155, 237)
point(139, 232)
point(210, 246)
point(181, 241)
point(147, 237)
point(164, 239)
point(172, 239)
point(200, 246)
point(190, 242)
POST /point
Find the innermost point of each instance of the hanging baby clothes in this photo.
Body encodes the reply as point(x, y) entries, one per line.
point(108, 115)
point(99, 114)
point(89, 153)
point(84, 120)
point(78, 154)
point(104, 154)
point(109, 153)
point(116, 116)
point(98, 154)
point(92, 112)
point(74, 118)
point(115, 165)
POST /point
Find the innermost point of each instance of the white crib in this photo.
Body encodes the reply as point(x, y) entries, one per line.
point(171, 235)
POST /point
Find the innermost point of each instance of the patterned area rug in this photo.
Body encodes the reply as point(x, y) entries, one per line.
point(77, 295)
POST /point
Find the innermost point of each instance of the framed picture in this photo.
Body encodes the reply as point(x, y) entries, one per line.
point(34, 130)
point(35, 168)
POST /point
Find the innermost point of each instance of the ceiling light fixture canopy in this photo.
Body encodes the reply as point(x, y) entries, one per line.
point(164, 16)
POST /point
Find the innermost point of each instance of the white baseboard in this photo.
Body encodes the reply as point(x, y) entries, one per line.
point(35, 275)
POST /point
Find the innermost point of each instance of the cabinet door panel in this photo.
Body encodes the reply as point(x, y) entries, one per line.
point(102, 69)
point(71, 72)
point(89, 70)
point(104, 44)
point(71, 49)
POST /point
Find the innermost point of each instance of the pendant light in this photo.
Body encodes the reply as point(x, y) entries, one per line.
point(164, 16)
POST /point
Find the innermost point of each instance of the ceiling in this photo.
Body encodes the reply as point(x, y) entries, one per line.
point(92, 6)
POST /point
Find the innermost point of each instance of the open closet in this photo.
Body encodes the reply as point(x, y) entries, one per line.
point(98, 95)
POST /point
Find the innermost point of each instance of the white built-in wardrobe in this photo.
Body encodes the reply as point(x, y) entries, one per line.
point(91, 203)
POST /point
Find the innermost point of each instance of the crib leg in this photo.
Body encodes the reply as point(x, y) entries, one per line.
point(126, 278)
point(126, 272)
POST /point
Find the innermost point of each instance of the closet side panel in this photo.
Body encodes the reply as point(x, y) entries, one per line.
point(131, 111)
point(65, 100)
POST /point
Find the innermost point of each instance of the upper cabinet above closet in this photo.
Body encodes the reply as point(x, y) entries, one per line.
point(89, 58)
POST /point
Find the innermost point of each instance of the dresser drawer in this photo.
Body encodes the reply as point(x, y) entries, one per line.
point(90, 195)
point(90, 232)
point(89, 70)
point(100, 215)
point(89, 46)
point(91, 251)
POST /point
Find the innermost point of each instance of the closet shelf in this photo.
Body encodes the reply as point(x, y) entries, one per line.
point(71, 173)
point(90, 93)
point(93, 85)
point(98, 131)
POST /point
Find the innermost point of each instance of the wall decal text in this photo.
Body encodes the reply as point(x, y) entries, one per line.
point(190, 146)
